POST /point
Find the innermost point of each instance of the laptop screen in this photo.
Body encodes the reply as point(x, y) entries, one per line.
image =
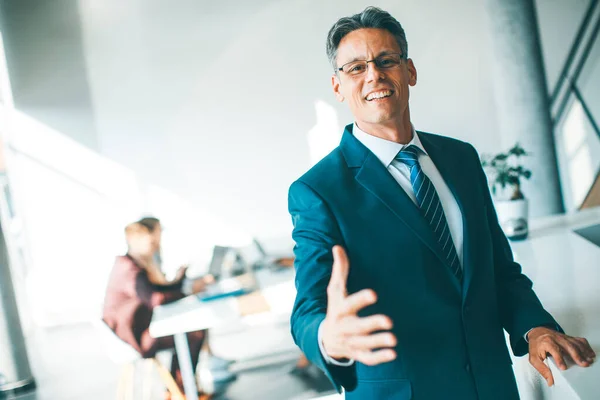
point(216, 263)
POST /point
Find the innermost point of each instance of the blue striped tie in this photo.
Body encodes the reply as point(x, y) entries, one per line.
point(431, 207)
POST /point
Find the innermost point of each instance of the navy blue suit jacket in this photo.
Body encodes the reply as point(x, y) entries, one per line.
point(451, 342)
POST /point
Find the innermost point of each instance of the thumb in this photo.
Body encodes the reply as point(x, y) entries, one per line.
point(339, 274)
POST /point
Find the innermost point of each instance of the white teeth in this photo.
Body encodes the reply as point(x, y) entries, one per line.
point(379, 95)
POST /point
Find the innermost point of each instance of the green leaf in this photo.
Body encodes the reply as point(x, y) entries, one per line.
point(513, 180)
point(517, 150)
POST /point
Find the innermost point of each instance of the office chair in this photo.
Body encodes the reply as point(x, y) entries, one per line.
point(123, 354)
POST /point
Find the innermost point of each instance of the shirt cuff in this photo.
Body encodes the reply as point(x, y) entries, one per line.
point(330, 360)
point(527, 333)
point(556, 328)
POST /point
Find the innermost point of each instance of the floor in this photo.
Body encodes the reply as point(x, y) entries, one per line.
point(68, 364)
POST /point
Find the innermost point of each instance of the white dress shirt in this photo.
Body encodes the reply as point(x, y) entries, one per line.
point(386, 152)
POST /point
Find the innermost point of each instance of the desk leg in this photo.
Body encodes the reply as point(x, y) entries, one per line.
point(185, 363)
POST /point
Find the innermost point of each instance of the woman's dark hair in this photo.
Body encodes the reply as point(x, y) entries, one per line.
point(149, 222)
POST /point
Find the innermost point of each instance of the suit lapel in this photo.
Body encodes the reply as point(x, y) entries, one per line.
point(446, 161)
point(375, 178)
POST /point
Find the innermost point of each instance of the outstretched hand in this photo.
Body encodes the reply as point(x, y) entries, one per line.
point(345, 335)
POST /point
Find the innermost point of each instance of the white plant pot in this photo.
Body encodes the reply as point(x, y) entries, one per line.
point(513, 216)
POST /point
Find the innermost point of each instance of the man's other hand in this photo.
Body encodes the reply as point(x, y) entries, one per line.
point(344, 334)
point(544, 341)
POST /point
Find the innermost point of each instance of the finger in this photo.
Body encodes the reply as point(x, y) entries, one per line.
point(336, 289)
point(542, 368)
point(556, 353)
point(576, 352)
point(589, 352)
point(370, 342)
point(363, 326)
point(357, 301)
point(375, 357)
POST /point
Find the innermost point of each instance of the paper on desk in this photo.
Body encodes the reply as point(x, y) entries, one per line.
point(252, 303)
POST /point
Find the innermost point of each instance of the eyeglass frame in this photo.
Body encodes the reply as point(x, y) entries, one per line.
point(370, 61)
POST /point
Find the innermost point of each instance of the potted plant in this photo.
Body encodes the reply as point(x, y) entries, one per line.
point(505, 171)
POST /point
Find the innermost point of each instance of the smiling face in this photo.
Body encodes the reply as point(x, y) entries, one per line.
point(378, 96)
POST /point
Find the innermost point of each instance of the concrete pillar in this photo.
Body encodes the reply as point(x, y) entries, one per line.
point(15, 374)
point(522, 98)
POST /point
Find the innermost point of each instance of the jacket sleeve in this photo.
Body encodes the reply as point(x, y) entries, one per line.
point(519, 307)
point(154, 295)
point(315, 233)
point(135, 283)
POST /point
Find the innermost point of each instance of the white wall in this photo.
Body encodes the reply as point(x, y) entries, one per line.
point(221, 102)
point(216, 103)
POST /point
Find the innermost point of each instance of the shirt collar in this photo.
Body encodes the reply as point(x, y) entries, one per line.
point(385, 150)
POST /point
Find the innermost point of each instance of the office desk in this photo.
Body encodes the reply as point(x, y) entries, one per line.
point(277, 293)
point(565, 270)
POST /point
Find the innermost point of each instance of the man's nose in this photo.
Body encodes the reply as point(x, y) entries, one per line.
point(373, 72)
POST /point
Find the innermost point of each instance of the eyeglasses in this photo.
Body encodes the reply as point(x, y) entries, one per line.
point(358, 67)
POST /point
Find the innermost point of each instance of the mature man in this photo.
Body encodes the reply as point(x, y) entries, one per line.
point(431, 276)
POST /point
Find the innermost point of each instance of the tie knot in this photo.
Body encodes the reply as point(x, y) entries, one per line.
point(409, 155)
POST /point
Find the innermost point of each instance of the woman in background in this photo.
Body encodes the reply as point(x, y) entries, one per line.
point(137, 285)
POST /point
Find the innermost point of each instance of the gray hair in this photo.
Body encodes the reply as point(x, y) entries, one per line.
point(370, 17)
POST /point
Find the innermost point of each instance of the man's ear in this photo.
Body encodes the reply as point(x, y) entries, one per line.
point(335, 84)
point(412, 72)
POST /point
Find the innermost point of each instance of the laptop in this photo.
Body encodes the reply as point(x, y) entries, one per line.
point(234, 286)
point(215, 267)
